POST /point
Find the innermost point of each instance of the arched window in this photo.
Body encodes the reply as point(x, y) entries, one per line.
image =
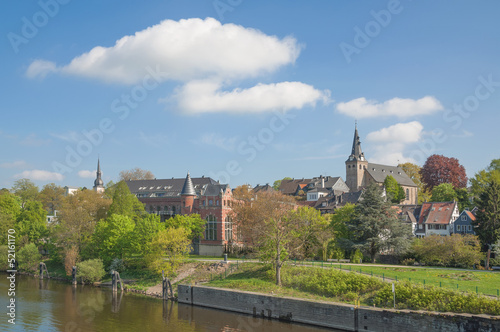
point(407, 194)
point(210, 202)
point(228, 229)
point(211, 231)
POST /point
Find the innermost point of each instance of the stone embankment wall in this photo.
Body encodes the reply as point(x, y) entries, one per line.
point(334, 315)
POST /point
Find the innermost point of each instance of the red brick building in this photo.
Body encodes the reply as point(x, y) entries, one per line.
point(204, 196)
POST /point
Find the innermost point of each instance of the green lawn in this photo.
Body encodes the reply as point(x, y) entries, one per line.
point(486, 282)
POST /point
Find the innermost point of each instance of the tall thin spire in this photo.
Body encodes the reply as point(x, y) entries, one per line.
point(356, 153)
point(98, 183)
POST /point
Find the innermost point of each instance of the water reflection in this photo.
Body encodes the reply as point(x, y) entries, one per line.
point(49, 305)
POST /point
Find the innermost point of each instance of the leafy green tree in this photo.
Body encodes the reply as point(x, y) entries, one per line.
point(487, 223)
point(394, 191)
point(444, 193)
point(277, 183)
point(145, 230)
point(463, 199)
point(10, 208)
point(339, 222)
point(26, 190)
point(52, 197)
point(376, 227)
point(113, 237)
point(125, 203)
point(313, 232)
point(29, 257)
point(485, 176)
point(167, 250)
point(192, 223)
point(32, 222)
point(110, 189)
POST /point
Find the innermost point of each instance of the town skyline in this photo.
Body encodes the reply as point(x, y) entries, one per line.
point(280, 100)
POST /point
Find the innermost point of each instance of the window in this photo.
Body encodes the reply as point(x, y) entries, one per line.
point(464, 218)
point(217, 202)
point(458, 228)
point(360, 167)
point(211, 231)
point(228, 227)
point(407, 194)
point(470, 228)
point(210, 202)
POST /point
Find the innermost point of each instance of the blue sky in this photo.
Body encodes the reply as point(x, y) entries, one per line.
point(243, 91)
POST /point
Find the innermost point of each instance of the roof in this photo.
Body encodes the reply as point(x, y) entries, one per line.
point(167, 187)
point(265, 187)
point(380, 172)
point(471, 216)
point(289, 187)
point(437, 212)
point(356, 153)
point(188, 188)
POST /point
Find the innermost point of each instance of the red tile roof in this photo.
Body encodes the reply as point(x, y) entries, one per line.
point(471, 216)
point(436, 212)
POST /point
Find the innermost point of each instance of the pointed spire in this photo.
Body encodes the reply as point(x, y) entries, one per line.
point(188, 189)
point(356, 153)
point(98, 183)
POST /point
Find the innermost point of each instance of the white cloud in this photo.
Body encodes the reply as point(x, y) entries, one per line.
point(390, 144)
point(87, 174)
point(184, 50)
point(409, 132)
point(40, 68)
point(33, 141)
point(214, 139)
point(207, 97)
point(15, 164)
point(402, 108)
point(70, 136)
point(40, 175)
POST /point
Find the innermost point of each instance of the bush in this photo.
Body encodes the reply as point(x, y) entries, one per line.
point(408, 261)
point(357, 257)
point(91, 270)
point(29, 258)
point(70, 259)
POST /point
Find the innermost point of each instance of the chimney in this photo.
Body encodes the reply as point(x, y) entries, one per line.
point(322, 182)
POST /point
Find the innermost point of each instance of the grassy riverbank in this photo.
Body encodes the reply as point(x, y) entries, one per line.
point(340, 286)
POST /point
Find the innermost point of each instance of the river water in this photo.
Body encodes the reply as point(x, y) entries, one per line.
point(50, 305)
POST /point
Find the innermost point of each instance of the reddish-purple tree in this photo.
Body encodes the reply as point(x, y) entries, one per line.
point(440, 169)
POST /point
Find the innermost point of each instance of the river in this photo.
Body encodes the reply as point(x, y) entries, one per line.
point(50, 305)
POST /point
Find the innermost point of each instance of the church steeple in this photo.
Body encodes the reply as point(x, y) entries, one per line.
point(98, 183)
point(356, 164)
point(356, 152)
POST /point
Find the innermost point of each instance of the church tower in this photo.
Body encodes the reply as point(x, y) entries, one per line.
point(356, 165)
point(98, 184)
point(188, 194)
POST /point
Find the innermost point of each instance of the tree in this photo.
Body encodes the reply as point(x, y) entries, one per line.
point(172, 242)
point(394, 191)
point(25, 190)
point(193, 223)
point(487, 223)
point(440, 169)
point(413, 172)
point(110, 189)
point(277, 183)
point(136, 174)
point(10, 208)
point(125, 203)
point(313, 232)
point(145, 230)
point(444, 193)
point(29, 257)
point(339, 222)
point(266, 226)
point(463, 199)
point(243, 193)
point(32, 222)
point(77, 218)
point(52, 197)
point(485, 176)
point(113, 237)
point(376, 227)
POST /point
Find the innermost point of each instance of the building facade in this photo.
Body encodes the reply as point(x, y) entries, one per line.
point(204, 196)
